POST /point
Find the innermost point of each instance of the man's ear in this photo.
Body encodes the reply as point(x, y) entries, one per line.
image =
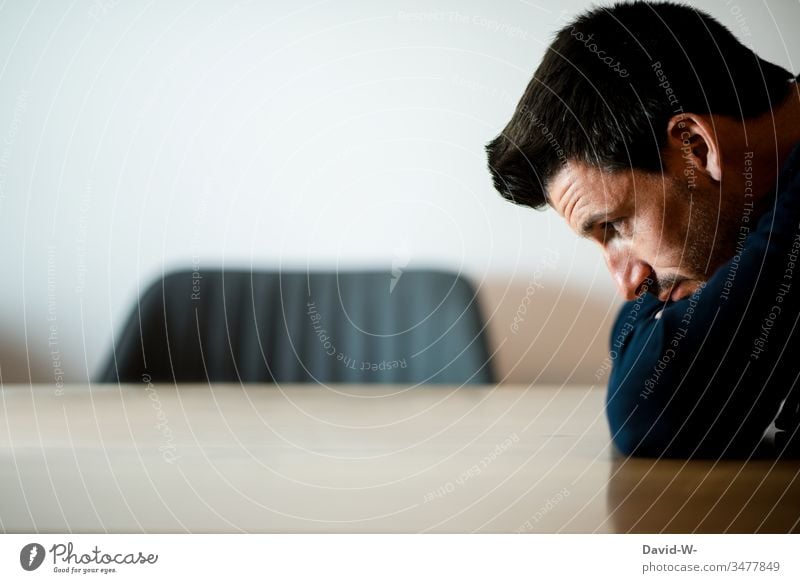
point(692, 139)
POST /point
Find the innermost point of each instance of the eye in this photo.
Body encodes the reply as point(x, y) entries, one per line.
point(619, 227)
point(609, 229)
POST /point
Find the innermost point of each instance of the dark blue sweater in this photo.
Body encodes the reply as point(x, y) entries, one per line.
point(708, 377)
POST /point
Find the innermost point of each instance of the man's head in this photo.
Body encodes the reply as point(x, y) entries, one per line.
point(633, 129)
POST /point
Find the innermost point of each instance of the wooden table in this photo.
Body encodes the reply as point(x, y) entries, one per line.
point(267, 458)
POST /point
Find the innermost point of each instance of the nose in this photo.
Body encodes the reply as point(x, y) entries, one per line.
point(630, 273)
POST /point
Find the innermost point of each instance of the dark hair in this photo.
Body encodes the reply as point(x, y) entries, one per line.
point(610, 82)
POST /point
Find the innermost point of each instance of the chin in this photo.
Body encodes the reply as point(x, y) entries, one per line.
point(682, 291)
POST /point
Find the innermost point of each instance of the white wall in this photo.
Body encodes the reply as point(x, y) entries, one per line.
point(136, 137)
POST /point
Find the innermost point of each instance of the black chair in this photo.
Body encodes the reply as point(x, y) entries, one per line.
point(329, 327)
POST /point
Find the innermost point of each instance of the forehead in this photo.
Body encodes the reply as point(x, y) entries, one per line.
point(580, 188)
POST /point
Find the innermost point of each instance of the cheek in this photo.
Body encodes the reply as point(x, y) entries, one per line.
point(662, 238)
point(676, 232)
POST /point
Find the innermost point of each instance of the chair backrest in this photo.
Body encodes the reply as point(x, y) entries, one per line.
point(329, 327)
